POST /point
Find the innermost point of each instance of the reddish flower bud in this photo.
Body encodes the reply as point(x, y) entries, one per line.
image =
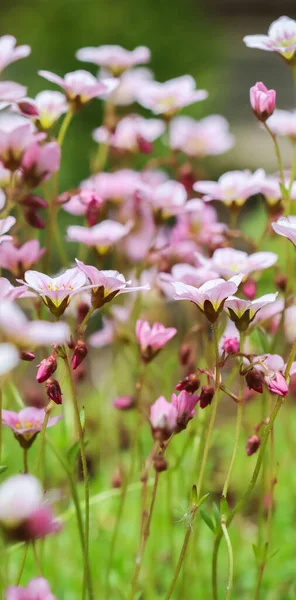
point(54, 391)
point(144, 146)
point(80, 352)
point(93, 212)
point(186, 355)
point(277, 384)
point(206, 396)
point(231, 345)
point(262, 101)
point(187, 177)
point(116, 479)
point(254, 380)
point(190, 384)
point(29, 109)
point(46, 368)
point(82, 311)
point(252, 444)
point(160, 464)
point(27, 356)
point(249, 288)
point(33, 218)
point(124, 402)
point(34, 201)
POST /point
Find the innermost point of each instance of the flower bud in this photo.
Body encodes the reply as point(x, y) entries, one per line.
point(254, 380)
point(231, 345)
point(54, 391)
point(252, 444)
point(116, 481)
point(190, 384)
point(29, 109)
point(33, 218)
point(82, 311)
point(27, 356)
point(34, 201)
point(160, 464)
point(144, 146)
point(249, 288)
point(187, 177)
point(80, 352)
point(46, 368)
point(262, 101)
point(277, 384)
point(206, 396)
point(124, 402)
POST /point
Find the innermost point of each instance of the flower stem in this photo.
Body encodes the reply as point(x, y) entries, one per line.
point(87, 573)
point(42, 442)
point(65, 124)
point(25, 454)
point(1, 403)
point(278, 154)
point(230, 558)
point(22, 565)
point(193, 510)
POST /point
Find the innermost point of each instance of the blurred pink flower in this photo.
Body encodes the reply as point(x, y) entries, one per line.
point(9, 358)
point(124, 402)
point(39, 162)
point(37, 589)
point(185, 404)
point(105, 336)
point(10, 93)
point(209, 136)
point(129, 83)
point(228, 261)
point(232, 188)
point(169, 97)
point(283, 122)
point(12, 293)
point(19, 259)
point(242, 312)
point(263, 101)
point(270, 188)
point(6, 225)
point(45, 109)
point(133, 133)
point(27, 423)
point(101, 236)
point(163, 418)
point(114, 58)
point(286, 226)
point(81, 87)
point(281, 38)
point(152, 339)
point(16, 328)
point(56, 292)
point(9, 52)
point(166, 199)
point(15, 138)
point(210, 297)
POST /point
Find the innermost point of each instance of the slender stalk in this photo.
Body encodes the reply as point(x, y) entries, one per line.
point(65, 124)
point(42, 442)
point(230, 559)
point(36, 558)
point(87, 573)
point(22, 565)
point(83, 325)
point(213, 415)
point(193, 510)
point(1, 404)
point(25, 455)
point(278, 153)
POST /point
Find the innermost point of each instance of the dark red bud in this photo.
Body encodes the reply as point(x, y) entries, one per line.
point(160, 464)
point(187, 177)
point(92, 213)
point(33, 218)
point(249, 288)
point(252, 444)
point(80, 352)
point(28, 108)
point(46, 368)
point(34, 201)
point(54, 391)
point(254, 381)
point(206, 396)
point(190, 384)
point(144, 146)
point(82, 311)
point(27, 356)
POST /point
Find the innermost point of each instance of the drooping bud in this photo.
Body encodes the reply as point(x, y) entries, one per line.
point(163, 419)
point(160, 463)
point(34, 201)
point(252, 444)
point(249, 288)
point(124, 402)
point(185, 404)
point(80, 352)
point(29, 109)
point(231, 345)
point(190, 384)
point(46, 368)
point(206, 396)
point(33, 218)
point(277, 384)
point(54, 391)
point(254, 380)
point(82, 311)
point(187, 177)
point(27, 356)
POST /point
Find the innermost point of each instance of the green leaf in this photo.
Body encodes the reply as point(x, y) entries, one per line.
point(82, 418)
point(208, 520)
point(193, 499)
point(217, 515)
point(257, 552)
point(73, 453)
point(273, 554)
point(224, 510)
point(202, 500)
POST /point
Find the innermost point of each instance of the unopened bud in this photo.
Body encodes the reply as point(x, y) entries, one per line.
point(187, 177)
point(254, 381)
point(46, 368)
point(252, 444)
point(206, 396)
point(80, 352)
point(160, 464)
point(186, 353)
point(27, 356)
point(144, 146)
point(33, 218)
point(190, 384)
point(54, 391)
point(124, 402)
point(116, 479)
point(277, 384)
point(231, 345)
point(82, 311)
point(34, 201)
point(249, 288)
point(29, 109)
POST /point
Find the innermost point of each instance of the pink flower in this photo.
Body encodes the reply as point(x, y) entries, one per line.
point(101, 236)
point(16, 328)
point(281, 38)
point(286, 226)
point(23, 513)
point(231, 345)
point(26, 424)
point(56, 292)
point(152, 339)
point(163, 419)
point(124, 402)
point(9, 52)
point(37, 589)
point(114, 58)
point(166, 199)
point(12, 293)
point(209, 136)
point(262, 101)
point(6, 225)
point(39, 162)
point(80, 87)
point(10, 93)
point(269, 187)
point(45, 109)
point(242, 312)
point(104, 336)
point(17, 260)
point(169, 97)
point(283, 122)
point(185, 404)
point(133, 133)
point(129, 83)
point(277, 384)
point(15, 138)
point(9, 358)
point(232, 188)
point(106, 285)
point(115, 186)
point(210, 297)
point(228, 261)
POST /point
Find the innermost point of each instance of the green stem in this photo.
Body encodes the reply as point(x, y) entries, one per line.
point(22, 565)
point(25, 453)
point(193, 510)
point(41, 443)
point(1, 405)
point(213, 414)
point(83, 325)
point(87, 573)
point(65, 124)
point(230, 559)
point(278, 154)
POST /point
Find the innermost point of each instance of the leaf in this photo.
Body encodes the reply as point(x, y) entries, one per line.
point(273, 554)
point(82, 418)
point(202, 500)
point(257, 552)
point(217, 515)
point(193, 499)
point(72, 453)
point(208, 520)
point(224, 509)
